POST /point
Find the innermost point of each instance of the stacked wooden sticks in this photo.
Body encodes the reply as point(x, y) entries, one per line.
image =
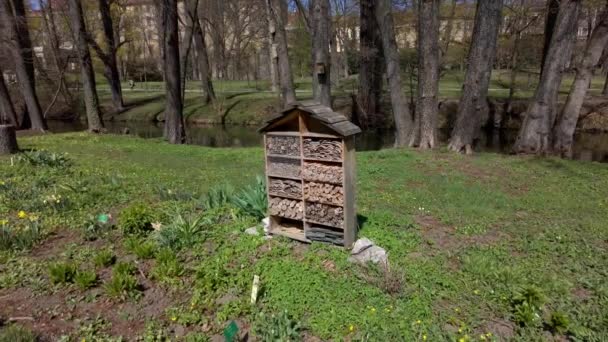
point(286, 208)
point(322, 173)
point(323, 149)
point(287, 146)
point(326, 214)
point(285, 187)
point(323, 192)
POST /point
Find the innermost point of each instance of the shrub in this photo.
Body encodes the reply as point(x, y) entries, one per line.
point(45, 158)
point(252, 200)
point(183, 231)
point(16, 333)
point(559, 323)
point(62, 273)
point(277, 327)
point(136, 219)
point(168, 265)
point(123, 284)
point(218, 196)
point(104, 258)
point(142, 248)
point(19, 235)
point(527, 305)
point(124, 268)
point(85, 279)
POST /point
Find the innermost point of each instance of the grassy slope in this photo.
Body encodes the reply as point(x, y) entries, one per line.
point(464, 236)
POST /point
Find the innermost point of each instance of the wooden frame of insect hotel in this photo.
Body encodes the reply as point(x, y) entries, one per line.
point(310, 174)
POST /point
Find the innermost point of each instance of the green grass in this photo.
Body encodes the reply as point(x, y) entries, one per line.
point(472, 241)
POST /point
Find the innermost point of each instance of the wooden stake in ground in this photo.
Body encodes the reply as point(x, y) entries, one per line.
point(8, 140)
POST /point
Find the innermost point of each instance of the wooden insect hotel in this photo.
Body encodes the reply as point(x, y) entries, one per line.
point(310, 174)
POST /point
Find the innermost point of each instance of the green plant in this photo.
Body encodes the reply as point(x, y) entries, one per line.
point(19, 235)
point(166, 194)
point(85, 279)
point(277, 327)
point(218, 196)
point(97, 226)
point(252, 200)
point(527, 305)
point(142, 248)
point(16, 333)
point(104, 258)
point(123, 284)
point(558, 322)
point(45, 158)
point(136, 219)
point(183, 231)
point(168, 265)
point(62, 272)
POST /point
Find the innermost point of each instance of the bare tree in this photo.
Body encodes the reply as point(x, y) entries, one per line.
point(550, 21)
point(279, 47)
point(401, 113)
point(321, 84)
point(367, 107)
point(87, 74)
point(203, 61)
point(535, 133)
point(6, 105)
point(425, 127)
point(473, 106)
point(108, 57)
point(191, 17)
point(566, 124)
point(12, 13)
point(174, 123)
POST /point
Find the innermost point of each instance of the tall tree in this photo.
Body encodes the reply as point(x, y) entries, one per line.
point(108, 57)
point(473, 106)
point(535, 133)
point(203, 62)
point(367, 107)
point(7, 110)
point(174, 123)
point(425, 127)
point(279, 44)
point(401, 113)
point(321, 30)
point(191, 17)
point(566, 124)
point(550, 21)
point(272, 49)
point(87, 74)
point(12, 13)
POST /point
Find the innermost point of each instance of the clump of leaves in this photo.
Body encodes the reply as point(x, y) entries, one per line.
point(16, 333)
point(62, 272)
point(104, 258)
point(167, 194)
point(85, 279)
point(558, 322)
point(168, 265)
point(252, 200)
point(136, 219)
point(96, 227)
point(217, 197)
point(19, 235)
point(277, 327)
point(183, 231)
point(142, 248)
point(45, 158)
point(123, 284)
point(527, 306)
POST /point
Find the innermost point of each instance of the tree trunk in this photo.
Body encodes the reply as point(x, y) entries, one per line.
point(8, 140)
point(7, 110)
point(203, 62)
point(605, 91)
point(566, 125)
point(473, 106)
point(401, 113)
point(12, 13)
point(191, 18)
point(535, 133)
point(370, 68)
point(550, 20)
point(428, 75)
point(87, 74)
point(279, 43)
point(321, 83)
point(174, 122)
point(109, 59)
point(449, 26)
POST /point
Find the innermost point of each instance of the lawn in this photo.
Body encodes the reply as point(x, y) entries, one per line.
point(489, 247)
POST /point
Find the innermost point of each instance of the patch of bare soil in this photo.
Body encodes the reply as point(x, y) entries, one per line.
point(502, 329)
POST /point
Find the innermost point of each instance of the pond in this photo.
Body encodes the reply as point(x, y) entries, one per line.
point(588, 146)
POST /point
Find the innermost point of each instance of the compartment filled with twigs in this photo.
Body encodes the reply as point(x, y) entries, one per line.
point(322, 149)
point(285, 187)
point(320, 172)
point(283, 145)
point(324, 193)
point(288, 208)
point(284, 167)
point(325, 214)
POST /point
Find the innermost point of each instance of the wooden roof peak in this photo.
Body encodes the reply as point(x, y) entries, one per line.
point(333, 120)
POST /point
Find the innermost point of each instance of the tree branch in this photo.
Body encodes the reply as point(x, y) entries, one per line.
point(305, 16)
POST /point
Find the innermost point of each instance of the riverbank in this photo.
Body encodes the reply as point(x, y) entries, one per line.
point(488, 247)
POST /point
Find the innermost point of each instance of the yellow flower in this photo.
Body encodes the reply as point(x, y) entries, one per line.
point(351, 328)
point(476, 292)
point(3, 222)
point(173, 318)
point(418, 321)
point(482, 337)
point(489, 334)
point(373, 310)
point(461, 339)
point(460, 330)
point(2, 183)
point(21, 214)
point(424, 337)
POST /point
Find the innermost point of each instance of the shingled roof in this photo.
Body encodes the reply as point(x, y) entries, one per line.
point(325, 115)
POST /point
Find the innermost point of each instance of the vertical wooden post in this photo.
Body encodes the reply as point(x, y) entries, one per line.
point(350, 213)
point(8, 139)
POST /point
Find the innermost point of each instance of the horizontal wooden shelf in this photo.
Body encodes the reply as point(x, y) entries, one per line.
point(282, 156)
point(285, 177)
point(285, 196)
point(292, 233)
point(320, 181)
point(319, 135)
point(322, 160)
point(321, 202)
point(324, 224)
point(286, 134)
